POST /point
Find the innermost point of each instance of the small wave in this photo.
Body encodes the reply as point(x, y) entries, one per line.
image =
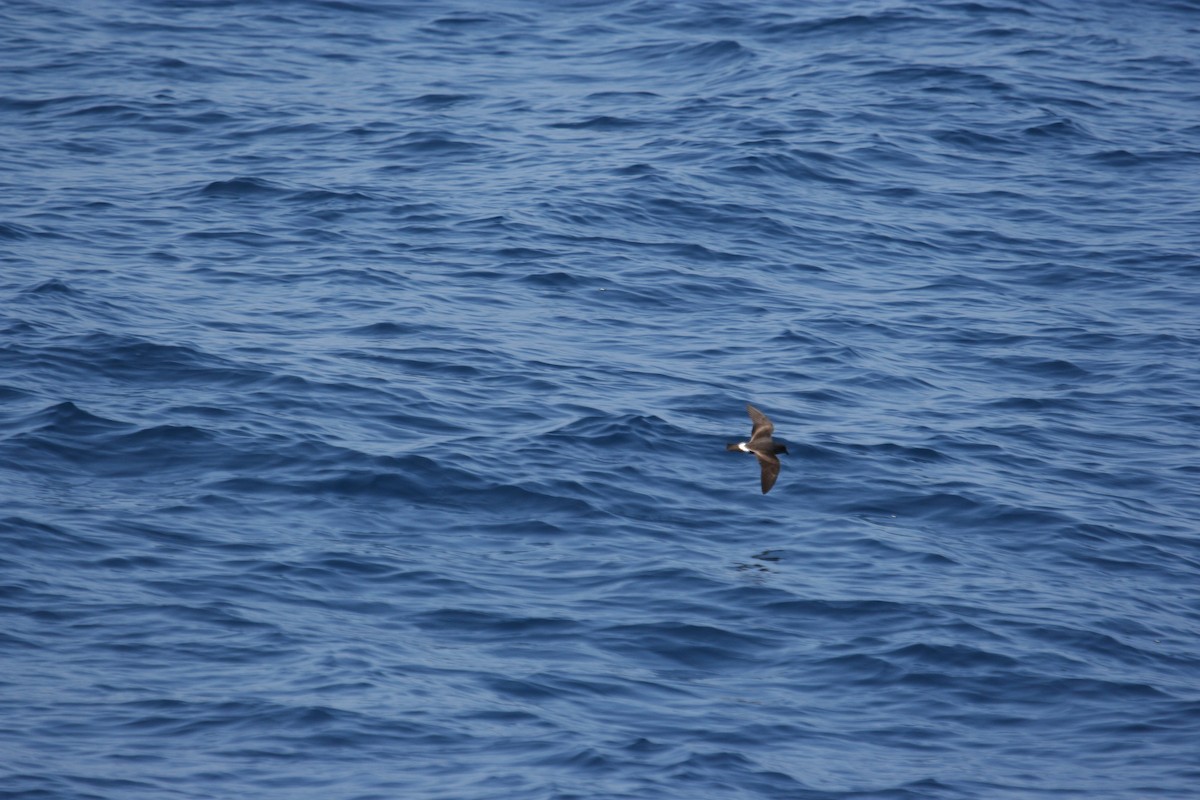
point(1059, 129)
point(243, 187)
point(849, 25)
point(691, 58)
point(16, 232)
point(443, 100)
point(432, 143)
point(54, 286)
point(602, 122)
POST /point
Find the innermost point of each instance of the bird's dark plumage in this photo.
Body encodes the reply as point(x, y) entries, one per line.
point(762, 446)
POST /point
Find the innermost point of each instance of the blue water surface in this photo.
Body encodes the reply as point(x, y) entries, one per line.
point(366, 370)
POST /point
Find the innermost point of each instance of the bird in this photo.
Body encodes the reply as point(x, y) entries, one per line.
point(762, 446)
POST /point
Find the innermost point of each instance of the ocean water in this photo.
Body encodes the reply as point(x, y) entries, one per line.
point(366, 370)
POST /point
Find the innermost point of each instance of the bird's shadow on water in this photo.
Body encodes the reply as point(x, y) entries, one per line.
point(764, 561)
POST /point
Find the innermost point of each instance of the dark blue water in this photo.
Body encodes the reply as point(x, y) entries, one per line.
point(366, 370)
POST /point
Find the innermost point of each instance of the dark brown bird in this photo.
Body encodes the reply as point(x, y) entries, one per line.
point(762, 446)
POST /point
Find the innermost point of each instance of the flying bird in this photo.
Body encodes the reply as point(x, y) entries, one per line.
point(762, 446)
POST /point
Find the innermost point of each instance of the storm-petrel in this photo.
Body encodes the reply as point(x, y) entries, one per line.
point(762, 446)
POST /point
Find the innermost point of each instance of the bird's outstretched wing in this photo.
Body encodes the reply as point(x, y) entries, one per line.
point(770, 469)
point(762, 427)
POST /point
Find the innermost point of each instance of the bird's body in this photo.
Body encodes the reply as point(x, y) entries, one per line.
point(762, 447)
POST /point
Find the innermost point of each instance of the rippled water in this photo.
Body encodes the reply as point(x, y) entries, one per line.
point(366, 370)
